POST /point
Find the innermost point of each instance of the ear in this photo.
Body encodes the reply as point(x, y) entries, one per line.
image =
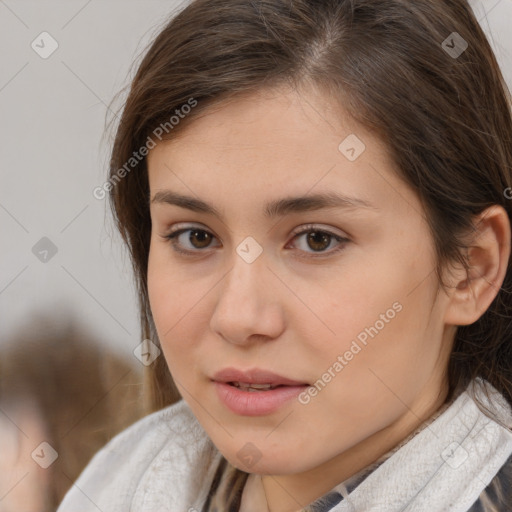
point(488, 257)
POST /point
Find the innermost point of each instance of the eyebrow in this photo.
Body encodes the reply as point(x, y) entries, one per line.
point(275, 208)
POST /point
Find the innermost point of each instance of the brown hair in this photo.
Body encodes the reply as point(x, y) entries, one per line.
point(445, 119)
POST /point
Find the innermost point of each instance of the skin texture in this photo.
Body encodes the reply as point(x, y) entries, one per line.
point(292, 313)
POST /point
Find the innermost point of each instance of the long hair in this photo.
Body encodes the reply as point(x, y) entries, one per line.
point(420, 75)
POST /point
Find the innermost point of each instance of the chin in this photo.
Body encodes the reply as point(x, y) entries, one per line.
point(265, 464)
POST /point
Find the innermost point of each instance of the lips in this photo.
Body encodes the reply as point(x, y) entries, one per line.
point(255, 376)
point(255, 401)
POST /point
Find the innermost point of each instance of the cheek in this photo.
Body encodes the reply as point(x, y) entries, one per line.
point(162, 300)
point(178, 313)
point(377, 319)
point(166, 298)
point(384, 365)
point(349, 304)
point(167, 290)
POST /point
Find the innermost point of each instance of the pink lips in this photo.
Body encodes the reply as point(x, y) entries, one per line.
point(255, 403)
point(254, 376)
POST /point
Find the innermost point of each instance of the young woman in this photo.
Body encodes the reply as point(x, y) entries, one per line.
point(316, 199)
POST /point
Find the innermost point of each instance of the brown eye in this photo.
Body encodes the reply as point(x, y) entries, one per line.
point(202, 237)
point(318, 240)
point(195, 241)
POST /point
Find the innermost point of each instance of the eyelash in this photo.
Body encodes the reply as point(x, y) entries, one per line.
point(307, 229)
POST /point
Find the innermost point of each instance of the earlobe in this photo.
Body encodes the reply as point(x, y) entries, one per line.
point(488, 255)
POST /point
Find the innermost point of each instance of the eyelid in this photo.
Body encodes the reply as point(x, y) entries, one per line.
point(180, 228)
point(317, 227)
point(306, 228)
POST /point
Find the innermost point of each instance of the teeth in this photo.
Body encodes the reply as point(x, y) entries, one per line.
point(253, 387)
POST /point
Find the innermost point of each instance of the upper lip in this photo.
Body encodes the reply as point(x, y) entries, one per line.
point(254, 376)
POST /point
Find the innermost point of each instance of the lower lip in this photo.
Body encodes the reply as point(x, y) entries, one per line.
point(256, 403)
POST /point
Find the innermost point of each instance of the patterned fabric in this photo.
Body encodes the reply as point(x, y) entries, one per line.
point(497, 496)
point(327, 502)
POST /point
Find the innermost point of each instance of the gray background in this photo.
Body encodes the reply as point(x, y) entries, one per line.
point(54, 153)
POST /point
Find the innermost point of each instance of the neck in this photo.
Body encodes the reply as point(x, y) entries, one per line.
point(293, 492)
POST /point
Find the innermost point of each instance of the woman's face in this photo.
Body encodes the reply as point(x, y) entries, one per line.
point(358, 320)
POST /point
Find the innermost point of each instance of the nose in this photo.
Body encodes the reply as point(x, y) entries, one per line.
point(248, 307)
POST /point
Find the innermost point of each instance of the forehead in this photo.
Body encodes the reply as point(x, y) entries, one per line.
point(275, 143)
point(277, 121)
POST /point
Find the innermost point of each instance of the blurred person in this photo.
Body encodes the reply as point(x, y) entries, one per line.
point(60, 387)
